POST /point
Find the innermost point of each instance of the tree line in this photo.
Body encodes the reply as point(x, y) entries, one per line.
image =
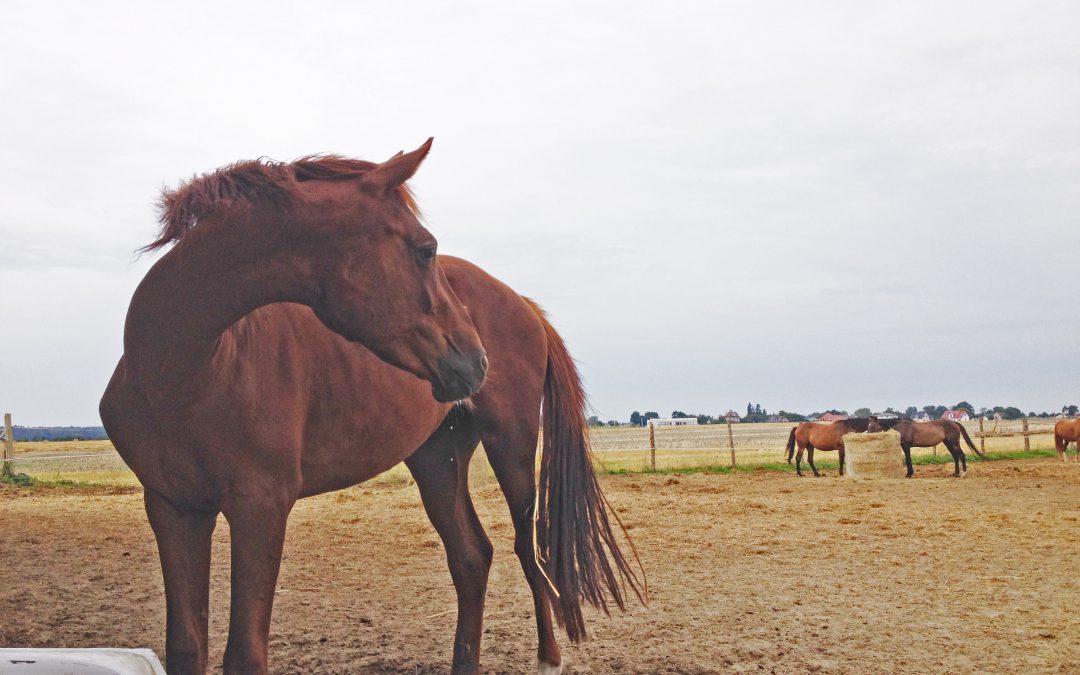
point(756, 413)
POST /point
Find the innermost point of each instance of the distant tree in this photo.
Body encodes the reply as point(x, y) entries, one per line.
point(1070, 410)
point(750, 409)
point(594, 421)
point(862, 412)
point(911, 411)
point(934, 411)
point(650, 416)
point(612, 423)
point(890, 411)
point(966, 407)
point(635, 418)
point(706, 419)
point(793, 417)
point(678, 415)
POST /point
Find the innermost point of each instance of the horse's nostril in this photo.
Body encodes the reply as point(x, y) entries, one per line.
point(483, 362)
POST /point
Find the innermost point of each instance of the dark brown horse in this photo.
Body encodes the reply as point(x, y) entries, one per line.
point(302, 336)
point(812, 436)
point(926, 435)
point(1065, 432)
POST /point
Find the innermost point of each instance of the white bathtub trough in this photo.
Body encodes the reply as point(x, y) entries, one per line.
point(79, 662)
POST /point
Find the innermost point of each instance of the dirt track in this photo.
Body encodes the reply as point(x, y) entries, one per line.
point(751, 572)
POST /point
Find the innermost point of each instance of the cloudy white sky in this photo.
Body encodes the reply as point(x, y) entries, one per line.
point(803, 205)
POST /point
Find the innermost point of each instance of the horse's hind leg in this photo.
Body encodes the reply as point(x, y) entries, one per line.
point(958, 458)
point(798, 460)
point(840, 451)
point(441, 470)
point(907, 459)
point(511, 449)
point(183, 539)
point(810, 459)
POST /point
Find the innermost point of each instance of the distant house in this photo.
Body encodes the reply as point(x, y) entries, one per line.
point(673, 422)
point(922, 416)
point(886, 416)
point(832, 417)
point(778, 418)
point(956, 415)
point(732, 416)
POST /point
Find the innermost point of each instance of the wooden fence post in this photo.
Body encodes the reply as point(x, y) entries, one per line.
point(9, 446)
point(731, 443)
point(652, 446)
point(982, 436)
point(1027, 439)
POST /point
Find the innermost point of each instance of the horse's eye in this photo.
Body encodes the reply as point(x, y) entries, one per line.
point(425, 255)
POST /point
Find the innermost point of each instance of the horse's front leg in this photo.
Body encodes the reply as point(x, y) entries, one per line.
point(257, 524)
point(183, 539)
point(907, 459)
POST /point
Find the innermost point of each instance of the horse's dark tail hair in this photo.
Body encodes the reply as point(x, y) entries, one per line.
point(968, 439)
point(576, 546)
point(791, 445)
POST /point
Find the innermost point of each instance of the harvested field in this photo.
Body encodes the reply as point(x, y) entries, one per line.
point(758, 571)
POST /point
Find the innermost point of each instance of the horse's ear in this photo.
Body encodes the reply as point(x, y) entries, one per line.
point(396, 170)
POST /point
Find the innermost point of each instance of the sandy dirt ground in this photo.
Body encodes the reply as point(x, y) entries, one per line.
point(759, 572)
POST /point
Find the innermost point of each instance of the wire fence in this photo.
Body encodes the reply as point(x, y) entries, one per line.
point(633, 449)
point(614, 449)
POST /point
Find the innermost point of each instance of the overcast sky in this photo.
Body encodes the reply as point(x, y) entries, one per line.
point(802, 205)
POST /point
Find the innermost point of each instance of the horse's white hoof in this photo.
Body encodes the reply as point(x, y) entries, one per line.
point(548, 669)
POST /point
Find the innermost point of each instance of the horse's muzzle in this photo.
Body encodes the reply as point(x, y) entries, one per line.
point(459, 376)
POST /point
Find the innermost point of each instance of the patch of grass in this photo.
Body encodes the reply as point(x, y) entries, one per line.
point(18, 479)
point(782, 467)
point(946, 458)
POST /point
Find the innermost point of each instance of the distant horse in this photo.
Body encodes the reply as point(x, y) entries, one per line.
point(926, 435)
point(812, 436)
point(302, 336)
point(1065, 432)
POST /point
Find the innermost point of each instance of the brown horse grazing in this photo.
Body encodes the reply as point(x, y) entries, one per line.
point(302, 336)
point(926, 435)
point(812, 436)
point(1065, 432)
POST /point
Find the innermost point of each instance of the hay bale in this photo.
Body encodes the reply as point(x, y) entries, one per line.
point(876, 455)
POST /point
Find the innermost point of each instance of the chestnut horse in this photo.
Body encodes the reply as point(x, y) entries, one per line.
point(926, 435)
point(1065, 432)
point(302, 336)
point(812, 436)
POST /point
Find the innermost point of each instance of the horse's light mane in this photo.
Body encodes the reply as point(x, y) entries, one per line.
point(255, 181)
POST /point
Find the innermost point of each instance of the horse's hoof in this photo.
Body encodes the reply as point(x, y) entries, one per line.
point(548, 669)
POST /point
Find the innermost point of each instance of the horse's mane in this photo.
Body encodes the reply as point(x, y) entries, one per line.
point(254, 181)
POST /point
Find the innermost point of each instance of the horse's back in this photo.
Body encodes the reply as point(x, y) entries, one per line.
point(1067, 429)
point(514, 336)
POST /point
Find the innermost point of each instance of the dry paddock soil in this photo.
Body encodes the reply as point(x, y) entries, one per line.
point(748, 572)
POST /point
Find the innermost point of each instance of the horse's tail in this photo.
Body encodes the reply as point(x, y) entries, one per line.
point(1061, 444)
point(968, 439)
point(791, 445)
point(575, 543)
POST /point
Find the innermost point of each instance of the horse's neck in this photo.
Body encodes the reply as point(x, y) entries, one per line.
point(193, 294)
